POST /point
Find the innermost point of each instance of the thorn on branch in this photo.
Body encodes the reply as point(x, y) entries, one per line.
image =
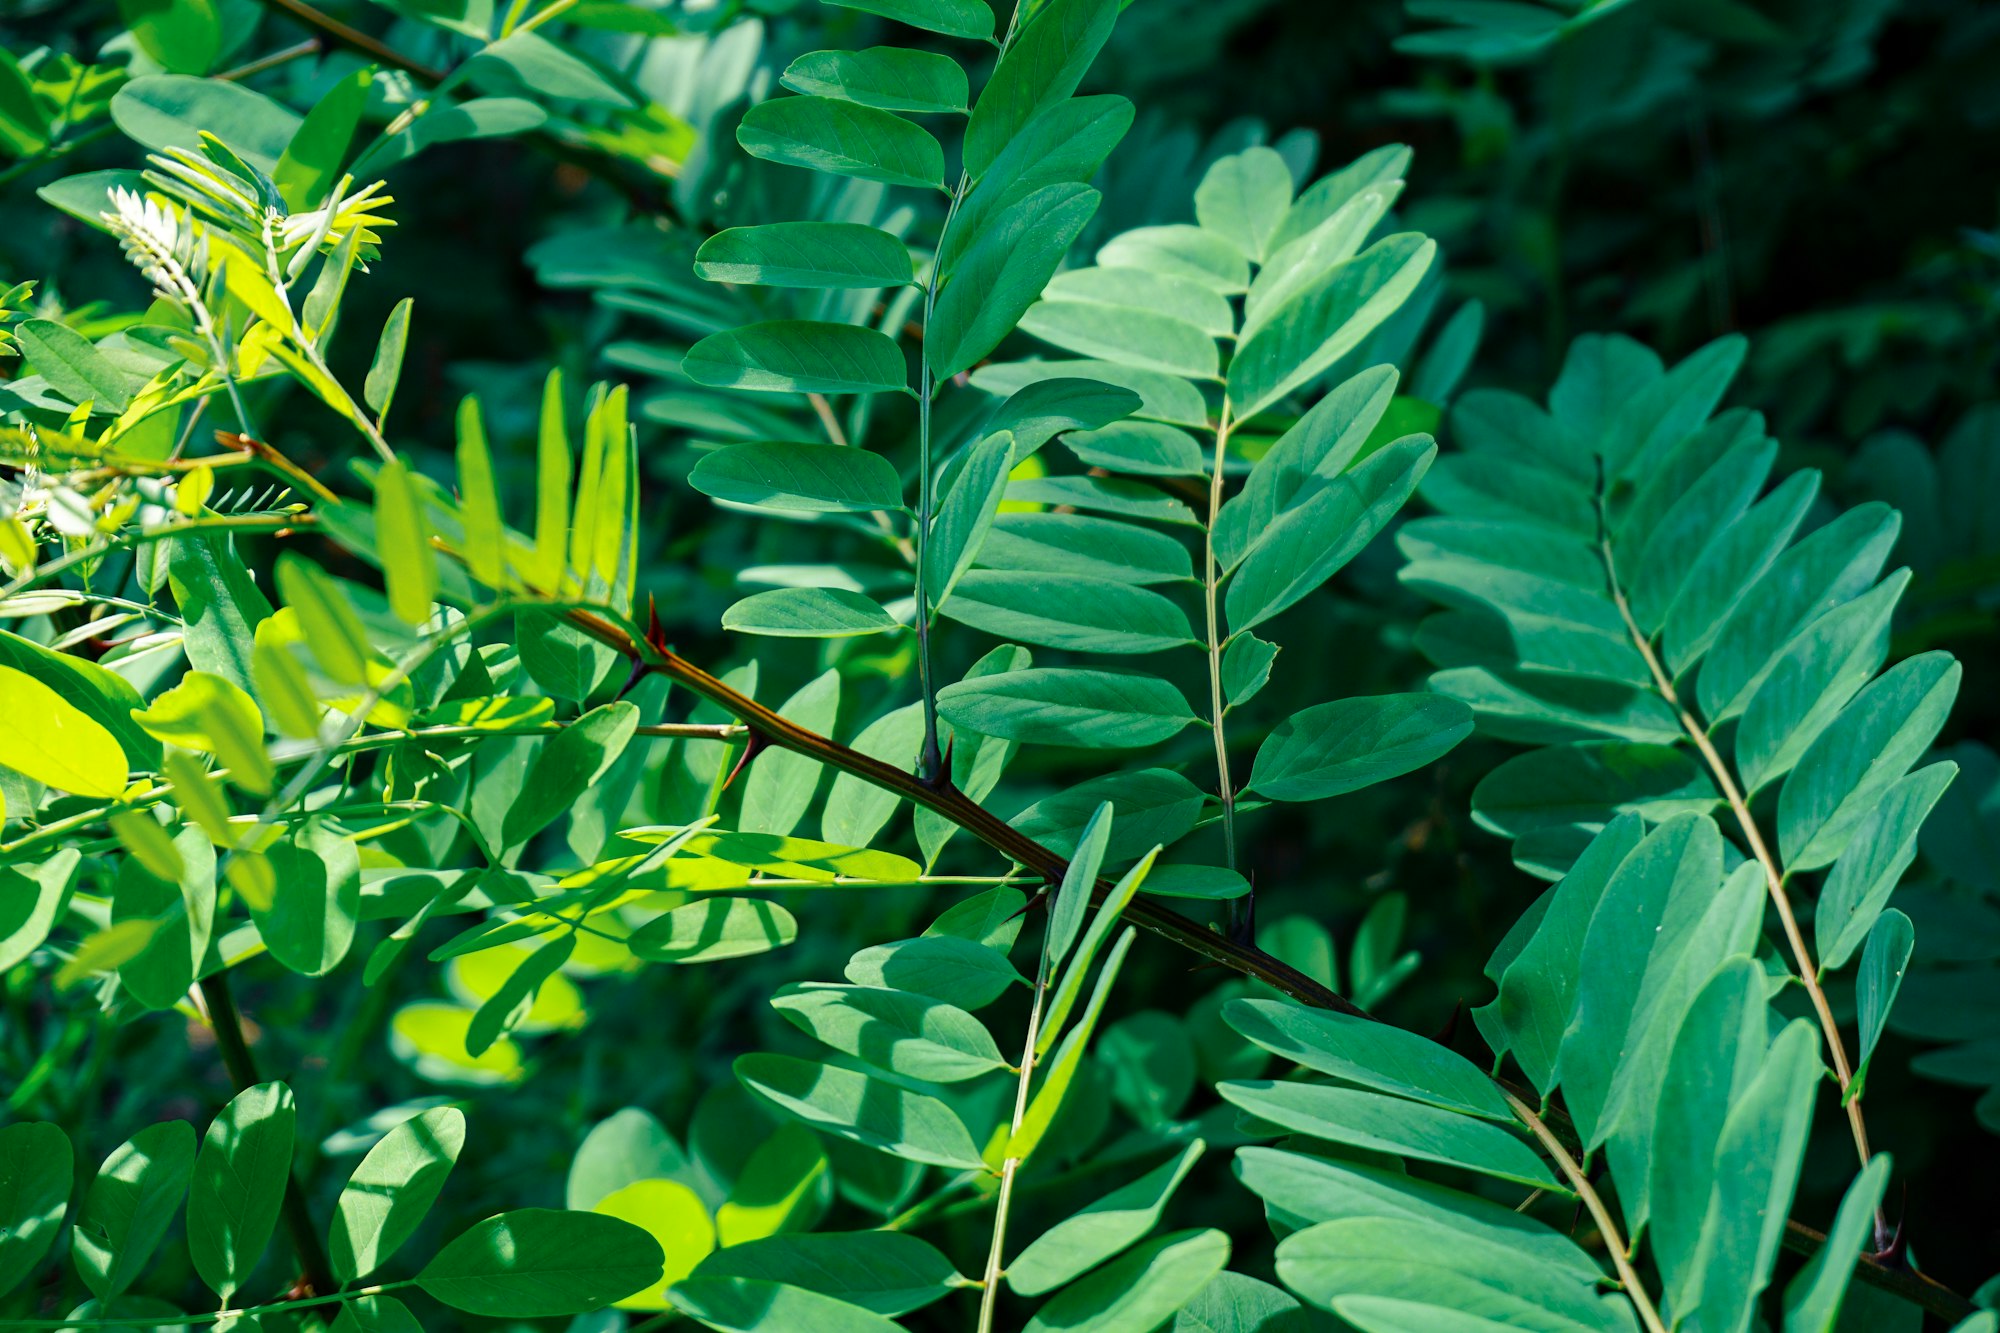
point(640, 670)
point(1449, 1032)
point(752, 747)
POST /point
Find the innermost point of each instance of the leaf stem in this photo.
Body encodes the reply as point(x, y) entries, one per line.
point(930, 764)
point(1635, 1291)
point(1010, 1165)
point(1210, 582)
point(275, 1307)
point(1774, 880)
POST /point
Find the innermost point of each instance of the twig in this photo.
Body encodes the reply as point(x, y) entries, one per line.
point(1635, 1290)
point(1774, 881)
point(1210, 581)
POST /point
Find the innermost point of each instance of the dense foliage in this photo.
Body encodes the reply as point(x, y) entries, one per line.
point(924, 664)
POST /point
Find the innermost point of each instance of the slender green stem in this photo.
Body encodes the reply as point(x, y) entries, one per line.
point(930, 766)
point(1211, 579)
point(275, 1307)
point(1635, 1290)
point(1010, 1165)
point(1774, 880)
point(242, 1066)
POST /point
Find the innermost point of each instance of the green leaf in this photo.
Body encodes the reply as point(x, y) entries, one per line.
point(1299, 1190)
point(1310, 543)
point(986, 289)
point(1756, 1170)
point(1812, 680)
point(1731, 567)
point(209, 713)
point(1835, 563)
point(797, 356)
point(1884, 960)
point(1538, 980)
point(857, 810)
point(1234, 1303)
point(805, 254)
point(30, 898)
point(391, 1190)
point(1069, 611)
point(130, 1206)
point(1392, 1125)
point(781, 784)
point(945, 968)
point(1244, 197)
point(1365, 1053)
point(809, 613)
point(1883, 845)
point(1156, 807)
point(239, 1184)
point(1179, 251)
point(1105, 1228)
point(1813, 1300)
point(1635, 922)
point(1039, 69)
point(310, 165)
point(537, 1262)
point(375, 1314)
point(1246, 668)
point(1142, 1289)
point(1325, 321)
point(1318, 448)
point(173, 111)
point(35, 1177)
point(953, 18)
point(310, 921)
point(402, 529)
point(965, 515)
point(379, 389)
point(868, 1111)
point(1066, 706)
point(1348, 744)
point(558, 655)
point(103, 695)
point(894, 1030)
point(714, 929)
point(677, 1220)
point(807, 478)
point(568, 764)
point(1184, 300)
point(1068, 985)
point(625, 1146)
point(54, 741)
point(888, 1272)
point(890, 77)
point(1382, 1273)
point(754, 1305)
point(1843, 775)
point(1078, 544)
point(1060, 1077)
point(185, 36)
point(826, 134)
point(1079, 885)
point(221, 606)
point(1045, 409)
point(1141, 338)
point(529, 61)
point(1590, 784)
point(1110, 495)
point(1140, 448)
point(1162, 397)
point(182, 911)
point(73, 366)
